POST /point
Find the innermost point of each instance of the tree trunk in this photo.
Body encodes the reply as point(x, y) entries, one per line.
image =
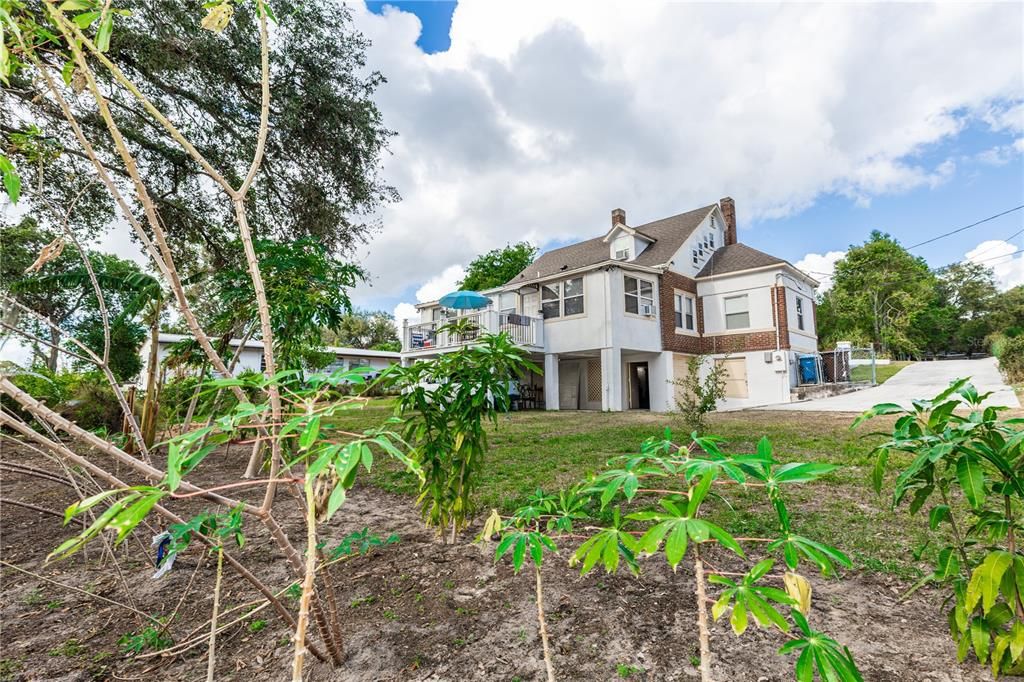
point(51, 360)
point(148, 413)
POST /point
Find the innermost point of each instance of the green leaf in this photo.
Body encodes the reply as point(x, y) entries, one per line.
point(878, 472)
point(85, 19)
point(738, 620)
point(335, 501)
point(103, 33)
point(310, 433)
point(937, 515)
point(980, 639)
point(12, 183)
point(675, 545)
point(971, 475)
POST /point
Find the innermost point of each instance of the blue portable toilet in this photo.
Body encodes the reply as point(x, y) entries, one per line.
point(808, 369)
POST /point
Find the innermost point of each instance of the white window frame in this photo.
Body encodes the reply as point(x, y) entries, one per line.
point(800, 313)
point(637, 294)
point(560, 299)
point(622, 247)
point(504, 299)
point(736, 319)
point(685, 307)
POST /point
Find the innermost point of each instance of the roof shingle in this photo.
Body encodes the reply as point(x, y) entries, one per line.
point(668, 235)
point(736, 257)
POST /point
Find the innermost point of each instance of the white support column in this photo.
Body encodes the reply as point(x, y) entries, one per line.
point(611, 378)
point(551, 381)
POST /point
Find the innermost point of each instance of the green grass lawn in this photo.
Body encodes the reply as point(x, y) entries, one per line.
point(551, 450)
point(882, 372)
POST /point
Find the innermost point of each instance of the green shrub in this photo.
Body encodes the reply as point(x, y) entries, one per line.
point(177, 393)
point(1010, 352)
point(93, 405)
point(52, 388)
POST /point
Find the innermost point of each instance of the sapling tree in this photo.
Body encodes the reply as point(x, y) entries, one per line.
point(695, 396)
point(446, 404)
point(965, 471)
point(529, 531)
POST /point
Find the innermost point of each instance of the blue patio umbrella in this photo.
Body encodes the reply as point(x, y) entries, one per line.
point(464, 300)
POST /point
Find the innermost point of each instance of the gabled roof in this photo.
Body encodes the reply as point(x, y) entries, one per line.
point(735, 258)
point(667, 236)
point(632, 231)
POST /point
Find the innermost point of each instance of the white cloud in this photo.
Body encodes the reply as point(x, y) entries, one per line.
point(1002, 154)
point(543, 116)
point(431, 290)
point(820, 267)
point(996, 254)
point(405, 311)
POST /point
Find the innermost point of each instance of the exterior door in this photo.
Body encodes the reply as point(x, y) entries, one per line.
point(736, 377)
point(569, 385)
point(639, 386)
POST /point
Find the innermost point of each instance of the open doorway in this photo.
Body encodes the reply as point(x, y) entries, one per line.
point(639, 386)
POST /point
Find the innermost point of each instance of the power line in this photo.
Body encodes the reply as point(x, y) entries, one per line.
point(966, 227)
point(1008, 239)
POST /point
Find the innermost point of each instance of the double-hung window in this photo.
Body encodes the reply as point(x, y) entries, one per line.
point(684, 312)
point(799, 313)
point(561, 299)
point(639, 293)
point(737, 312)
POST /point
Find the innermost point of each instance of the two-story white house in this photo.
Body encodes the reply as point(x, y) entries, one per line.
point(614, 319)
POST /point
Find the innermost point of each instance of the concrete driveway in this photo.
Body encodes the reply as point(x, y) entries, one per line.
point(919, 380)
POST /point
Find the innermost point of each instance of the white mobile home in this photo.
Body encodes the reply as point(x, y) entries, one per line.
point(251, 355)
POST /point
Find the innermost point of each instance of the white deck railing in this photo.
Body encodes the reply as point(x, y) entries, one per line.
point(522, 330)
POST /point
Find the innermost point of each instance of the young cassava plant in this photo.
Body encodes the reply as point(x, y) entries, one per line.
point(669, 487)
point(965, 470)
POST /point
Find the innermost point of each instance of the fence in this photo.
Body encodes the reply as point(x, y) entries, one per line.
point(843, 365)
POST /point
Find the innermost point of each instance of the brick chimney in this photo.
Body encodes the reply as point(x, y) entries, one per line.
point(618, 217)
point(728, 207)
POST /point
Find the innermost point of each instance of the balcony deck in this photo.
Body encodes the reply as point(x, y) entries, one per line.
point(424, 338)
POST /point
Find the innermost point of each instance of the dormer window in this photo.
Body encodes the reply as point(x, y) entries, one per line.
point(622, 247)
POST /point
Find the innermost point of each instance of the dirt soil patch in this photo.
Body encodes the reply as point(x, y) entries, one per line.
point(414, 610)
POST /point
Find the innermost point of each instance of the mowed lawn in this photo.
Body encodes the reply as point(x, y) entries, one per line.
point(552, 450)
point(882, 372)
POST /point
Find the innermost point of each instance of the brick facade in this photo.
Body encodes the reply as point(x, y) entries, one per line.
point(724, 343)
point(679, 343)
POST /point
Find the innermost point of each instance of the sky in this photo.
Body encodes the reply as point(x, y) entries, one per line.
point(532, 120)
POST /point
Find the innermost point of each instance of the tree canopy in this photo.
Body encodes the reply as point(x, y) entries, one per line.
point(307, 289)
point(320, 177)
point(62, 291)
point(884, 296)
point(365, 329)
point(498, 266)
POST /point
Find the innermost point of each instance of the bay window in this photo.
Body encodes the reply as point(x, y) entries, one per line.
point(639, 293)
point(562, 299)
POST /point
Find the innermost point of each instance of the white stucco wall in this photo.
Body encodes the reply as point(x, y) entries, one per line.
point(629, 331)
point(757, 286)
point(765, 385)
point(588, 331)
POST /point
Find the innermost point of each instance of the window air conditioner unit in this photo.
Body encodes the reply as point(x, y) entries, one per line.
point(647, 310)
